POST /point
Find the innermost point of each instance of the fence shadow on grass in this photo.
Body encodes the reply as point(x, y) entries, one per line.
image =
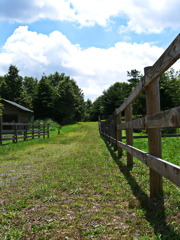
point(154, 208)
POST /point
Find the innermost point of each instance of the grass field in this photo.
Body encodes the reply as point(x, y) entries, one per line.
point(73, 186)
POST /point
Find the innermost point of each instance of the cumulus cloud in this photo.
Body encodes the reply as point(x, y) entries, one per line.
point(143, 16)
point(30, 11)
point(94, 69)
point(148, 16)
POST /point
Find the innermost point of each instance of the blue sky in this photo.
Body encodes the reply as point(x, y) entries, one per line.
point(94, 41)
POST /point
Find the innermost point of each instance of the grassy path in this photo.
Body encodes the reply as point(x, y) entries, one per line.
point(72, 186)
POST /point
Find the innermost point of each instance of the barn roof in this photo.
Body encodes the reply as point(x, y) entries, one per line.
point(17, 105)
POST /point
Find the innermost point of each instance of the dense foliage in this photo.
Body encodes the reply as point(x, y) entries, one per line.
point(55, 96)
point(58, 97)
point(114, 96)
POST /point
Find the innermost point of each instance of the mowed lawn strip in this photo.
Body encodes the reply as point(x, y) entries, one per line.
point(73, 186)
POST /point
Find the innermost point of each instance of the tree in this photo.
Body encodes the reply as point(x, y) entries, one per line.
point(139, 105)
point(96, 109)
point(55, 78)
point(1, 107)
point(169, 83)
point(43, 102)
point(30, 85)
point(11, 87)
point(114, 96)
point(87, 112)
point(135, 76)
point(69, 102)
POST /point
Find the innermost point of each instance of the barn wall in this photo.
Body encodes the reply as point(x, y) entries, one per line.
point(21, 115)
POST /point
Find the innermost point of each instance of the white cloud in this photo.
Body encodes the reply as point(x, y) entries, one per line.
point(94, 69)
point(142, 16)
point(34, 10)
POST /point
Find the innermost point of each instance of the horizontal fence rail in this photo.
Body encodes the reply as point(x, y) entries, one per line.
point(13, 132)
point(111, 128)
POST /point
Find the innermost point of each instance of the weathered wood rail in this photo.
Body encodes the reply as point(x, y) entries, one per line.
point(21, 131)
point(154, 120)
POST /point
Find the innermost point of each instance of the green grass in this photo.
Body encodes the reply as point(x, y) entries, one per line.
point(73, 186)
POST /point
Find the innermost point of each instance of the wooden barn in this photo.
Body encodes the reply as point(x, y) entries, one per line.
point(13, 112)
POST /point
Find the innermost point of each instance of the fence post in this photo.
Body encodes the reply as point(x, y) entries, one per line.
point(129, 133)
point(109, 131)
point(115, 131)
point(99, 121)
point(15, 134)
point(1, 131)
point(33, 130)
point(154, 134)
point(26, 129)
point(39, 127)
point(43, 130)
point(119, 134)
point(24, 132)
point(48, 130)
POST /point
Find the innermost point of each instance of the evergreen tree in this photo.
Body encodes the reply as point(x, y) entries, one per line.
point(43, 102)
point(169, 83)
point(1, 106)
point(114, 96)
point(55, 78)
point(69, 102)
point(87, 111)
point(97, 109)
point(30, 85)
point(11, 87)
point(139, 105)
point(134, 77)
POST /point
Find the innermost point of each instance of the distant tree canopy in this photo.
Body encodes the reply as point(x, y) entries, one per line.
point(114, 96)
point(57, 96)
point(0, 108)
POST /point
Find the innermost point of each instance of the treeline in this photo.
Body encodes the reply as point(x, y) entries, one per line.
point(114, 96)
point(58, 97)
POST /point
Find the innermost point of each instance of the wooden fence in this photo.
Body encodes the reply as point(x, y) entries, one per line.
point(13, 132)
point(154, 120)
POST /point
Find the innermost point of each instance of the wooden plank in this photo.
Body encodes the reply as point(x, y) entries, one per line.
point(9, 135)
point(12, 124)
point(134, 151)
point(7, 139)
point(139, 123)
point(164, 168)
point(7, 131)
point(113, 140)
point(20, 137)
point(168, 118)
point(167, 59)
point(171, 135)
point(22, 124)
point(137, 91)
point(134, 124)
